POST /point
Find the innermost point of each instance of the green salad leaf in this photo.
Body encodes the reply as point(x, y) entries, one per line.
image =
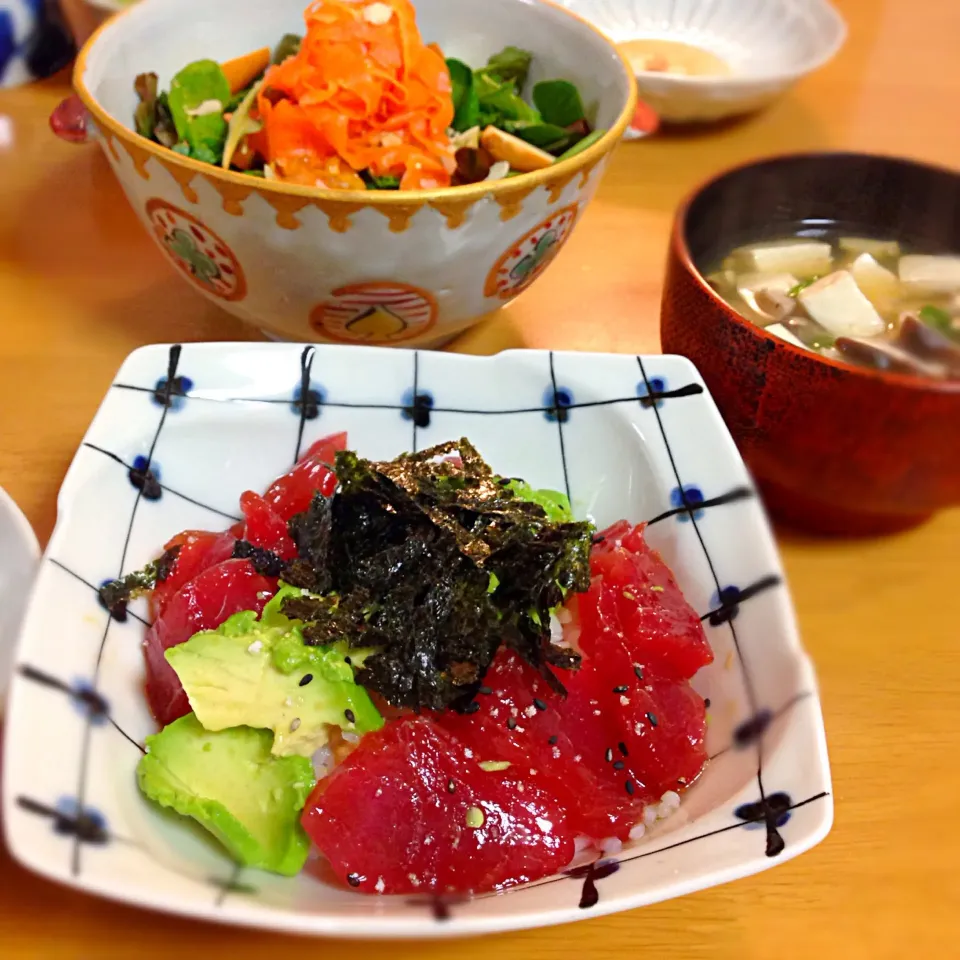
point(500, 102)
point(588, 141)
point(466, 104)
point(510, 65)
point(381, 183)
point(546, 136)
point(198, 96)
point(558, 102)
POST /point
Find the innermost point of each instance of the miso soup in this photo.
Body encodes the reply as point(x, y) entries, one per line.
point(870, 302)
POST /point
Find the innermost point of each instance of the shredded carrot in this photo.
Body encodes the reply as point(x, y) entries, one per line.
point(363, 94)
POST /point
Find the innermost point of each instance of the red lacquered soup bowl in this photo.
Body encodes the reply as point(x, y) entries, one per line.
point(834, 448)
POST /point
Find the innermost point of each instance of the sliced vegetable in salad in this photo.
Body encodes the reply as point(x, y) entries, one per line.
point(361, 102)
point(432, 671)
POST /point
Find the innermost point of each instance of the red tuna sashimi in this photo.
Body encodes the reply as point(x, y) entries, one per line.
point(292, 493)
point(264, 527)
point(411, 811)
point(662, 632)
point(566, 742)
point(643, 643)
point(202, 604)
point(663, 726)
point(199, 550)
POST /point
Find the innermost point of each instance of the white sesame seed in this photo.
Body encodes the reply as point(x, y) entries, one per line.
point(530, 711)
point(638, 728)
point(427, 841)
point(379, 792)
point(519, 788)
point(495, 712)
point(520, 729)
point(380, 886)
point(294, 724)
point(255, 647)
point(468, 753)
point(377, 13)
point(596, 713)
point(577, 758)
point(413, 879)
point(556, 753)
point(624, 700)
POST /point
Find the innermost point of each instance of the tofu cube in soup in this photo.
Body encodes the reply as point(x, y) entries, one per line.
point(880, 249)
point(837, 303)
point(930, 274)
point(803, 258)
point(878, 284)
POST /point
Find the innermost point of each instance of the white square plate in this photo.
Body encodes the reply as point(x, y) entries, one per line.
point(210, 420)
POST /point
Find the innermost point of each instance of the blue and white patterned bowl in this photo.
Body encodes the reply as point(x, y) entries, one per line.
point(626, 436)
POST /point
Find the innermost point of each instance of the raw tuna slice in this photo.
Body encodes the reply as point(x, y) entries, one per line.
point(264, 527)
point(566, 742)
point(412, 811)
point(202, 604)
point(642, 601)
point(292, 493)
point(199, 550)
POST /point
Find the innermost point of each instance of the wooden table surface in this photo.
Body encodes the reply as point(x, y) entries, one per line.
point(81, 285)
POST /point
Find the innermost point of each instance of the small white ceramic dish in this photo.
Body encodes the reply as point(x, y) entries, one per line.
point(627, 436)
point(768, 45)
point(19, 554)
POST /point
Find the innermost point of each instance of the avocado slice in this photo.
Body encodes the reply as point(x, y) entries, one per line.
point(232, 785)
point(260, 673)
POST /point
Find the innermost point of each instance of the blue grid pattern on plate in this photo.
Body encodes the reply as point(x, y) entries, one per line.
point(307, 399)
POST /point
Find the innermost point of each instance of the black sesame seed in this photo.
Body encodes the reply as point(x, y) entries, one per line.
point(350, 715)
point(609, 754)
point(639, 672)
point(485, 689)
point(621, 689)
point(348, 661)
point(305, 679)
point(511, 723)
point(622, 747)
point(652, 717)
point(471, 707)
point(353, 879)
point(553, 740)
point(629, 787)
point(706, 703)
point(539, 704)
point(451, 786)
point(619, 765)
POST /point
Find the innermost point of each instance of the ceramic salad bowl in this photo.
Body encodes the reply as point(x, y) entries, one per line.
point(634, 437)
point(305, 263)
